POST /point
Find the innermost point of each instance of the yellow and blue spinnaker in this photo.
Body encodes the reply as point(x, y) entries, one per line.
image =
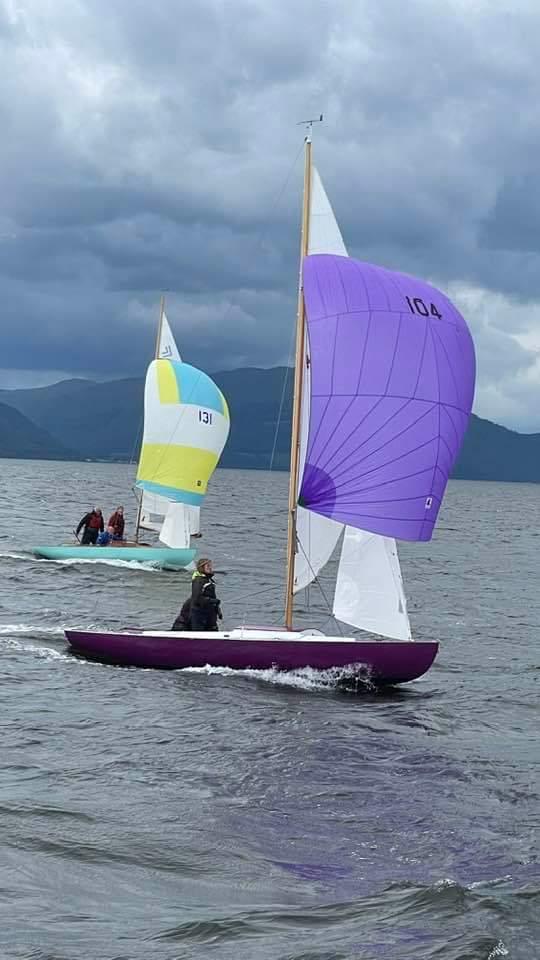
point(186, 425)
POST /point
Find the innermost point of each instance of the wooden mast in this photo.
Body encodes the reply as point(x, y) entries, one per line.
point(298, 383)
point(156, 356)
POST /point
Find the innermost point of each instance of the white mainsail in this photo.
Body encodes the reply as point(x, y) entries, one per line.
point(154, 507)
point(153, 511)
point(181, 522)
point(316, 535)
point(369, 589)
point(167, 349)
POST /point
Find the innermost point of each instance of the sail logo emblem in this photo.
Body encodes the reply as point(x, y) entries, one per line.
point(429, 503)
point(165, 352)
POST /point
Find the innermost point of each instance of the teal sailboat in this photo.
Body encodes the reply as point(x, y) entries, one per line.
point(186, 425)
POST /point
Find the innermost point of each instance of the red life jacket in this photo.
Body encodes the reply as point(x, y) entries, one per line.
point(117, 523)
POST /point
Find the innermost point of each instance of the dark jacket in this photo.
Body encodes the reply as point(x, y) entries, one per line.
point(203, 593)
point(183, 620)
point(92, 520)
point(117, 522)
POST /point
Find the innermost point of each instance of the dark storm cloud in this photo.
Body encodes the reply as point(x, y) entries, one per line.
point(150, 148)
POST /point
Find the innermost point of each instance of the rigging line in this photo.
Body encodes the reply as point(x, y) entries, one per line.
point(282, 401)
point(136, 493)
point(137, 441)
point(317, 582)
point(246, 596)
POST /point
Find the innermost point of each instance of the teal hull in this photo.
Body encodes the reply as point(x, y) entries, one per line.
point(164, 557)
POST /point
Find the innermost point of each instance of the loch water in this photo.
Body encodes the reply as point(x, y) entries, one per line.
point(152, 815)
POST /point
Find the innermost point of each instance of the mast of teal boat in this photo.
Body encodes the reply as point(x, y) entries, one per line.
point(298, 380)
point(156, 355)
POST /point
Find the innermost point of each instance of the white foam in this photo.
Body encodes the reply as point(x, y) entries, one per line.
point(45, 653)
point(75, 561)
point(9, 628)
point(445, 883)
point(305, 678)
point(479, 884)
point(499, 950)
point(124, 564)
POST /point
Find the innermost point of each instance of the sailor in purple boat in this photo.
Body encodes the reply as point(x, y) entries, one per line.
point(183, 620)
point(383, 390)
point(205, 606)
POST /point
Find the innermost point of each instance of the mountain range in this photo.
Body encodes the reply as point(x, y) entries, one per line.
point(82, 419)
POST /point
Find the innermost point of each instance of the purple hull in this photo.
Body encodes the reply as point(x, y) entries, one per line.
point(386, 661)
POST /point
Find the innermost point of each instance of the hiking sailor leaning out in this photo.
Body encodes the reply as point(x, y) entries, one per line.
point(205, 607)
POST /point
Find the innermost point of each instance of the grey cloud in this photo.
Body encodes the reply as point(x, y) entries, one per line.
point(147, 148)
point(513, 223)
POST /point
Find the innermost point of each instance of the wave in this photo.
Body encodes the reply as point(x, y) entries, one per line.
point(305, 678)
point(30, 629)
point(396, 906)
point(44, 653)
point(9, 642)
point(77, 561)
point(499, 950)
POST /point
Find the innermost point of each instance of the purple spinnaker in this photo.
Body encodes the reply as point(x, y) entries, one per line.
point(392, 386)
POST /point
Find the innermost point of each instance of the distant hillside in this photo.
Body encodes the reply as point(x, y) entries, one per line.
point(98, 420)
point(20, 438)
point(104, 421)
point(254, 398)
point(491, 452)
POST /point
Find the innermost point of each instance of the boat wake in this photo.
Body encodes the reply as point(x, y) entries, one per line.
point(8, 629)
point(135, 565)
point(14, 555)
point(12, 634)
point(305, 678)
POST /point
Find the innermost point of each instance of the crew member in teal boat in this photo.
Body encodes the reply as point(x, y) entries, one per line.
point(205, 608)
point(93, 525)
point(106, 537)
point(117, 523)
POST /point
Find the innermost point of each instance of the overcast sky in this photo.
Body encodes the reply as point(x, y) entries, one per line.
point(153, 147)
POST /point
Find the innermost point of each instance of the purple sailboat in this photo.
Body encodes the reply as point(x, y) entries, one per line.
point(384, 384)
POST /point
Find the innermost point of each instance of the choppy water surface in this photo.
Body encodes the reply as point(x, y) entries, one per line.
point(154, 816)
